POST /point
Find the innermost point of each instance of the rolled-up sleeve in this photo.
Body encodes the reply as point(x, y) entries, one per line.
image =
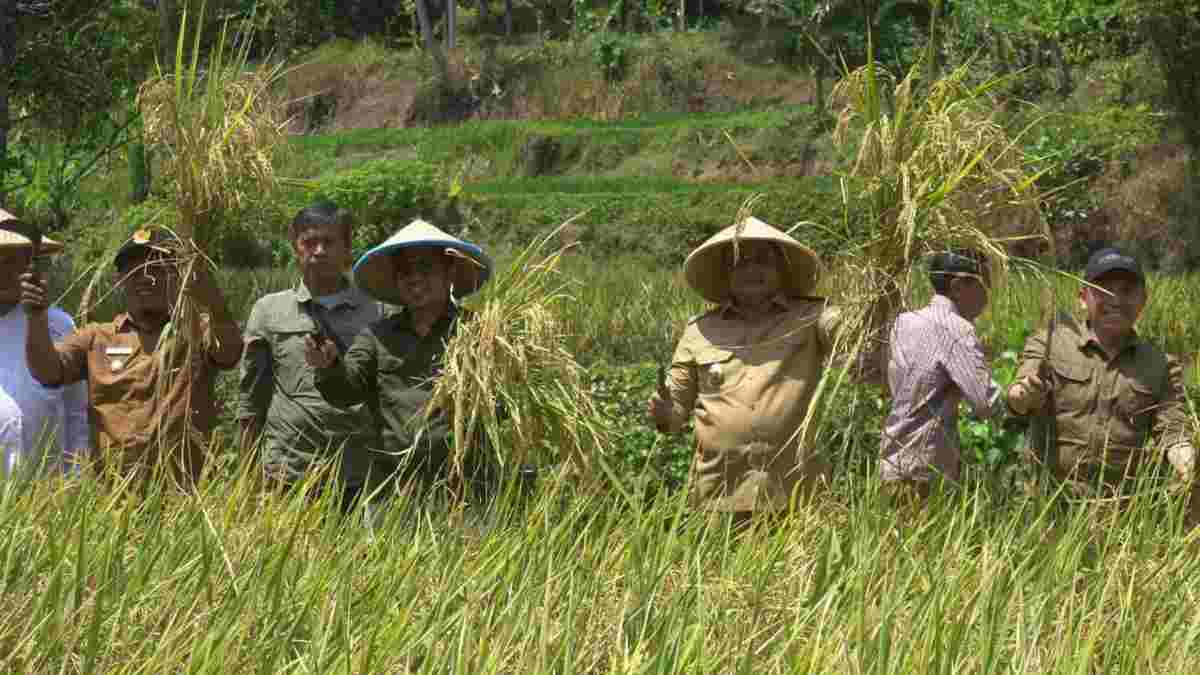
point(73, 354)
point(256, 384)
point(968, 370)
point(681, 384)
point(1173, 425)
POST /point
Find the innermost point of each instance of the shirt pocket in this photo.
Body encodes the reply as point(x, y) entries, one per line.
point(291, 369)
point(717, 371)
point(1074, 385)
point(1136, 403)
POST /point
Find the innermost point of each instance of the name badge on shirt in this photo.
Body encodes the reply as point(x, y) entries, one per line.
point(117, 356)
point(714, 375)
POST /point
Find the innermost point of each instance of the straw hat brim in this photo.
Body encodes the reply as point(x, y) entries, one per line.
point(375, 271)
point(707, 268)
point(11, 240)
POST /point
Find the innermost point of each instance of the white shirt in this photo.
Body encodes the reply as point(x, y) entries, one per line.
point(39, 425)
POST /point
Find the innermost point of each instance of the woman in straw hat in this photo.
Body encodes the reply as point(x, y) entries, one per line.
point(391, 365)
point(748, 370)
point(40, 428)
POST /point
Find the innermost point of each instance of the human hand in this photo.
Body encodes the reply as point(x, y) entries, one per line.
point(34, 296)
point(659, 408)
point(202, 287)
point(1027, 394)
point(320, 351)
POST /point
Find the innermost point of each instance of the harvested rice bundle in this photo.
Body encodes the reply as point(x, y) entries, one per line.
point(932, 171)
point(217, 127)
point(508, 378)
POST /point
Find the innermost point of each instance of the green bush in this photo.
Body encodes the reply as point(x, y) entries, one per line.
point(383, 194)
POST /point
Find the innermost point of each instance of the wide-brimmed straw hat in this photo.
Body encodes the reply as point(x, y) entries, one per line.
point(375, 271)
point(707, 268)
point(10, 239)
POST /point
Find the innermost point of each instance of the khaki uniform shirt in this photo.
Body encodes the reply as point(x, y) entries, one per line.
point(278, 391)
point(1107, 408)
point(139, 427)
point(749, 385)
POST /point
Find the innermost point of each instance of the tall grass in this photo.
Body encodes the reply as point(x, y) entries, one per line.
point(229, 581)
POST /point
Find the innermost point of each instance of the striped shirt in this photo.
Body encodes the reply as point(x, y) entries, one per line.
point(935, 361)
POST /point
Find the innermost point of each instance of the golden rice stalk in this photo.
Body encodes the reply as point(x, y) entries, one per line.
point(933, 170)
point(219, 127)
point(509, 381)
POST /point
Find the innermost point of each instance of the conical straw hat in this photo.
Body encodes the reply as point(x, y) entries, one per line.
point(707, 268)
point(375, 271)
point(10, 239)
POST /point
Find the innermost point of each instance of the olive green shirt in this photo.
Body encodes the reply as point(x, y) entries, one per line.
point(277, 390)
point(748, 384)
point(392, 369)
point(1107, 409)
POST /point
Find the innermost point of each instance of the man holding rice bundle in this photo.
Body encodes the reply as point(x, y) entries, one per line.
point(748, 370)
point(150, 388)
point(1111, 390)
point(392, 365)
point(278, 399)
point(42, 429)
point(935, 361)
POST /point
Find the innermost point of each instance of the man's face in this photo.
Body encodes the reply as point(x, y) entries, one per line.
point(970, 295)
point(13, 263)
point(149, 282)
point(1114, 307)
point(756, 271)
point(423, 278)
point(322, 251)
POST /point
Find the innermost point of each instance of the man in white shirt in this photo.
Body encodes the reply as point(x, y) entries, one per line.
point(42, 429)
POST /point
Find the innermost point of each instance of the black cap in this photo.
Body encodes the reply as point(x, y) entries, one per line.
point(142, 242)
point(1112, 259)
point(956, 263)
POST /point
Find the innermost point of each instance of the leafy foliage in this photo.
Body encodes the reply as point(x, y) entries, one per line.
point(383, 195)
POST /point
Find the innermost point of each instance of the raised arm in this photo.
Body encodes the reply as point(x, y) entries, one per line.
point(348, 379)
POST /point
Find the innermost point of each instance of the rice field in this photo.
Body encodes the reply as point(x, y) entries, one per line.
point(233, 579)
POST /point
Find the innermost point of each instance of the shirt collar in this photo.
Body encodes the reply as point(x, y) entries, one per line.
point(123, 322)
point(944, 302)
point(1087, 336)
point(728, 309)
point(303, 295)
point(405, 317)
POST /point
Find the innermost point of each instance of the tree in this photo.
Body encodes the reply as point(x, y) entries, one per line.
point(68, 63)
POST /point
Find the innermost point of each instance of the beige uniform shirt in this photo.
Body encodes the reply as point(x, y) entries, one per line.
point(1107, 408)
point(749, 385)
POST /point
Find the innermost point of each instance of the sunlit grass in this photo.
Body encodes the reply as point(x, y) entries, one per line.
point(231, 580)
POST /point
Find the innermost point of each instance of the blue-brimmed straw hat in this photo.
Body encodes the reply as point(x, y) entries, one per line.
point(375, 271)
point(707, 269)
